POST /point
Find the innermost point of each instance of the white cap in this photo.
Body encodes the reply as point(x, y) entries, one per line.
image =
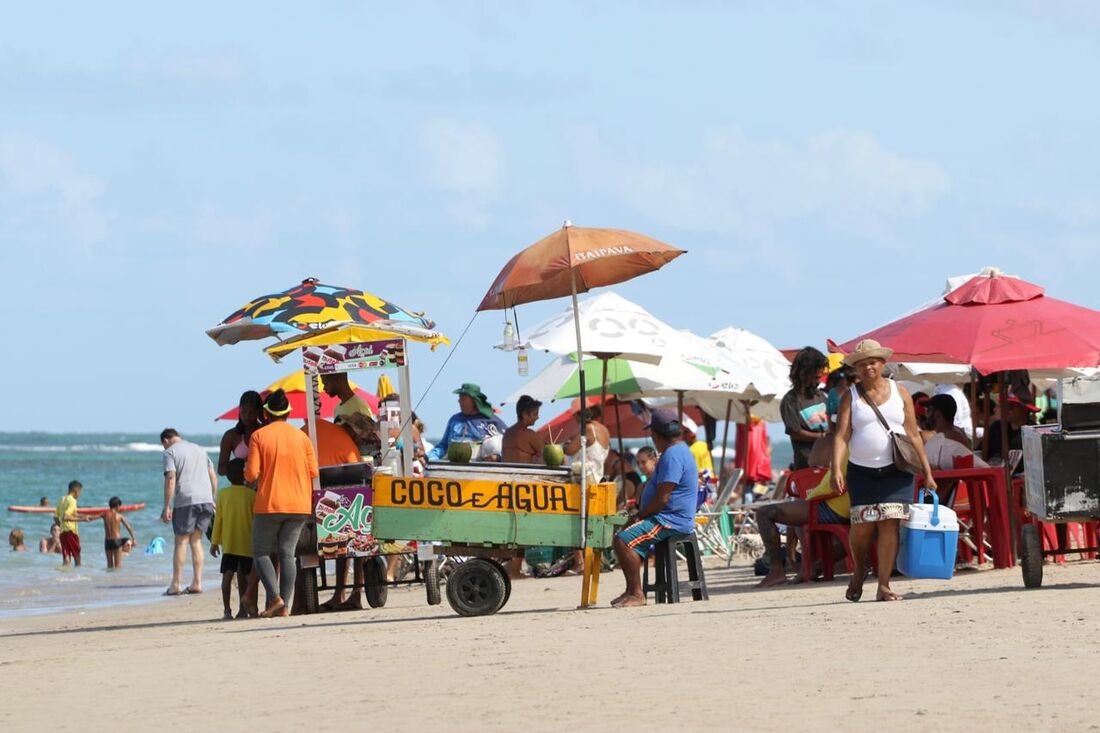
point(689, 424)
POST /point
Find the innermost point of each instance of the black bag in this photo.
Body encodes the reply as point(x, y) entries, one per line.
point(906, 457)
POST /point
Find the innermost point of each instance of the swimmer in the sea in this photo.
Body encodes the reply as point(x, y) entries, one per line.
point(15, 539)
point(113, 543)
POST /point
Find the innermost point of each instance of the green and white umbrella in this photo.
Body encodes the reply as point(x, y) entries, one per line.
point(562, 379)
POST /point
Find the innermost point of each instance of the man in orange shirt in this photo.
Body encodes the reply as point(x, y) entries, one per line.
point(334, 446)
point(281, 458)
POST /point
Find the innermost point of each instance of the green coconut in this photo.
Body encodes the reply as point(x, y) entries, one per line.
point(553, 455)
point(460, 452)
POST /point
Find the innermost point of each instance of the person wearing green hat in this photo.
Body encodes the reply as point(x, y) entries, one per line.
point(473, 423)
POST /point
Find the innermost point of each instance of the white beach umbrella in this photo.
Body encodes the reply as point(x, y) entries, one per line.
point(610, 324)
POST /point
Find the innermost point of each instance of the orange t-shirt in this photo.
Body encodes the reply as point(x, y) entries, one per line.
point(334, 446)
point(282, 458)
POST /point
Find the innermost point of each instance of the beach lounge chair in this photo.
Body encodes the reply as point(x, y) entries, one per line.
point(712, 521)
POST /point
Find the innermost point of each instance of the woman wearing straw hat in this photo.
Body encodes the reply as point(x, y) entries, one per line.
point(880, 491)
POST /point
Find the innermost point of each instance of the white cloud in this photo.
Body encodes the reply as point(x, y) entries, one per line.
point(465, 161)
point(49, 184)
point(743, 186)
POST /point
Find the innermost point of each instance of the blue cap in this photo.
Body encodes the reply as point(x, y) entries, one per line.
point(665, 423)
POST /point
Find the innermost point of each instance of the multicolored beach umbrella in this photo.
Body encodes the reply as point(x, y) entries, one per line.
point(314, 307)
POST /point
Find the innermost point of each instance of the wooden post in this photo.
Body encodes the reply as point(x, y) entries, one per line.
point(680, 405)
point(313, 406)
point(405, 403)
point(586, 577)
point(594, 575)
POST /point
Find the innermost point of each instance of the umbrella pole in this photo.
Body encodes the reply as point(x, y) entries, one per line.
point(725, 439)
point(680, 405)
point(1002, 401)
point(603, 384)
point(584, 426)
point(973, 410)
point(619, 430)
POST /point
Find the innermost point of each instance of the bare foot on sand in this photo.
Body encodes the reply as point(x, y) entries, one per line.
point(274, 608)
point(773, 579)
point(885, 594)
point(628, 601)
point(855, 586)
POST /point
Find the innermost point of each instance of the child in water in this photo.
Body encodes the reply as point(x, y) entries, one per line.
point(113, 542)
point(15, 539)
point(52, 544)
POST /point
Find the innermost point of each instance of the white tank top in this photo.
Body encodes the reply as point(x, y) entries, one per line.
point(871, 446)
point(596, 456)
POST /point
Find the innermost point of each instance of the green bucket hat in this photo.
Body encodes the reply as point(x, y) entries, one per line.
point(474, 392)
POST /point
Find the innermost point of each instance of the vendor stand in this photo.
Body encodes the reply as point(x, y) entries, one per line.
point(482, 511)
point(338, 330)
point(343, 508)
point(1061, 474)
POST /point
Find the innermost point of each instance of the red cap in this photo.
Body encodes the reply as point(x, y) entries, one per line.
point(1014, 400)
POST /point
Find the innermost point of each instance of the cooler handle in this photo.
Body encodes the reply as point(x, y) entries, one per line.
point(935, 503)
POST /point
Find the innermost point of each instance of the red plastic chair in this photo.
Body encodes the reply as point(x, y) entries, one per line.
point(817, 538)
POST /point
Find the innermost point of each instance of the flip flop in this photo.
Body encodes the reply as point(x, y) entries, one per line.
point(190, 592)
point(171, 593)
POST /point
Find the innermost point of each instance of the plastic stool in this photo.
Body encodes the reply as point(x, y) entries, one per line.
point(666, 586)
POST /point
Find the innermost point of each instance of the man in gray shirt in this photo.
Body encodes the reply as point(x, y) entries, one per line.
point(189, 487)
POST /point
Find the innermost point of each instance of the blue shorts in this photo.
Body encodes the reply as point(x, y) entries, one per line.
point(826, 515)
point(643, 534)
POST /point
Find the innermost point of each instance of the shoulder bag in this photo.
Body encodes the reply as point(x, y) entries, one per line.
point(906, 457)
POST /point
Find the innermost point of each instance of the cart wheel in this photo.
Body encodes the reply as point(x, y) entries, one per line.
point(374, 578)
point(507, 584)
point(431, 582)
point(477, 587)
point(1031, 556)
point(309, 589)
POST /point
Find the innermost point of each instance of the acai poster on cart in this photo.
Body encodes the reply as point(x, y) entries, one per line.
point(344, 521)
point(345, 524)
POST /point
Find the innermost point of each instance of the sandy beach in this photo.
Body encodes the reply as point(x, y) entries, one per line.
point(976, 653)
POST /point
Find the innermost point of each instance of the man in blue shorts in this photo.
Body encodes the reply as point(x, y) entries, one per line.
point(667, 506)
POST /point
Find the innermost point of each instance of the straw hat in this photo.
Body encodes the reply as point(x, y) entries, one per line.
point(868, 349)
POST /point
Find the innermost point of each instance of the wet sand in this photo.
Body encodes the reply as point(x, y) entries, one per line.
point(975, 653)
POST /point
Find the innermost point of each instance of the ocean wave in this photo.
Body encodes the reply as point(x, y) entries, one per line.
point(93, 448)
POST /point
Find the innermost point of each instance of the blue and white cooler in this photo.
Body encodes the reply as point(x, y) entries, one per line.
point(929, 540)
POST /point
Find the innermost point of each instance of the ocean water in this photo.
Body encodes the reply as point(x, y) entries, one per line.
point(33, 465)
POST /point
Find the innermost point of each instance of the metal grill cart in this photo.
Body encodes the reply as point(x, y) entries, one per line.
point(1061, 484)
point(484, 511)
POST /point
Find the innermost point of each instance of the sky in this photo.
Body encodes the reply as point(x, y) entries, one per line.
point(827, 166)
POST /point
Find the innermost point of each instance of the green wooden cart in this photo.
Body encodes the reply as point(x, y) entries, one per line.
point(484, 511)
